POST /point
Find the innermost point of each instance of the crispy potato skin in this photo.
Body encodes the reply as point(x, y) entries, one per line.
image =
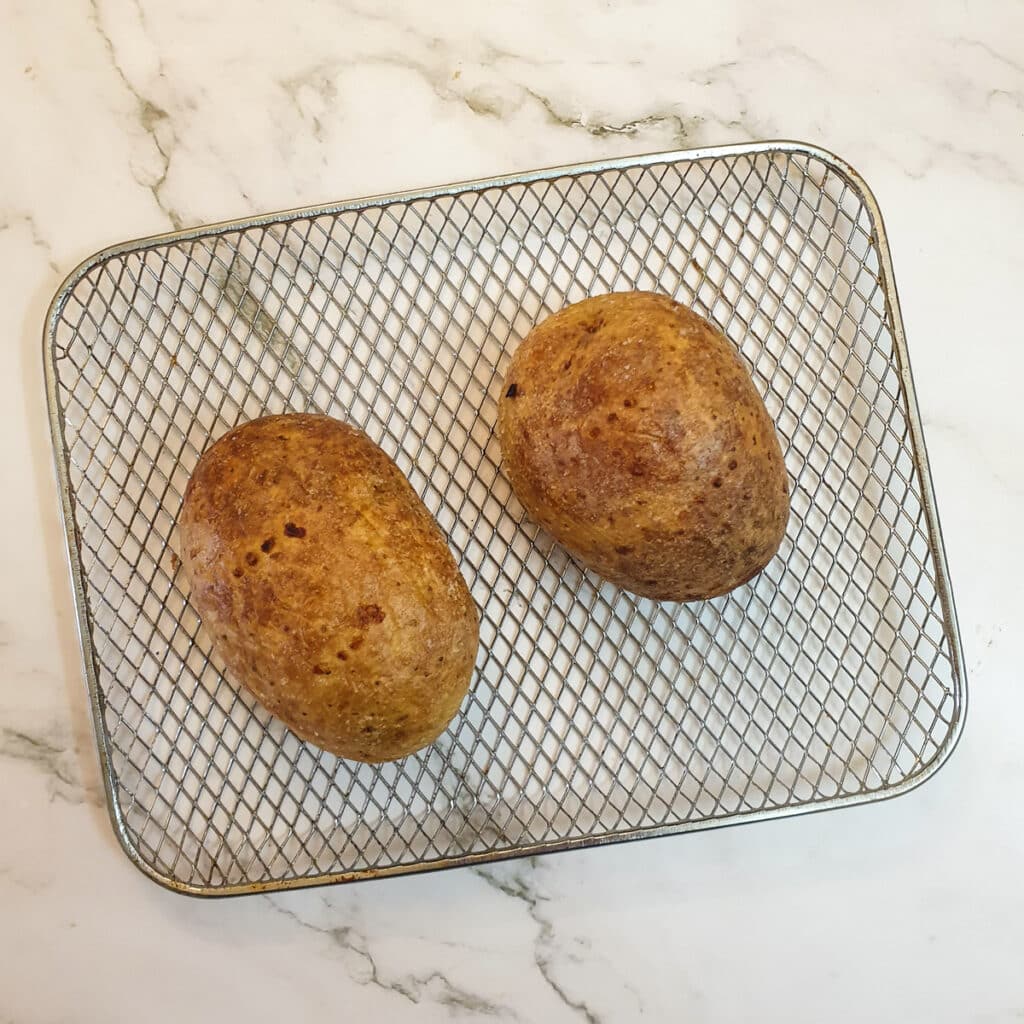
point(327, 589)
point(632, 432)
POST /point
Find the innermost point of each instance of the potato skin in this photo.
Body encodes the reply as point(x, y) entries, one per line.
point(632, 432)
point(326, 586)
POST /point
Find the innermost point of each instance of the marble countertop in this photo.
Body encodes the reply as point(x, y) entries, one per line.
point(125, 117)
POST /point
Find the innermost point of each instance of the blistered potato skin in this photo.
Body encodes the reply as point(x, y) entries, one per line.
point(632, 432)
point(326, 587)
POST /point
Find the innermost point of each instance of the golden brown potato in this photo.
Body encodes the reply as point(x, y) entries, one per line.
point(326, 587)
point(632, 432)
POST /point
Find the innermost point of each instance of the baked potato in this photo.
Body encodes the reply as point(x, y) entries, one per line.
point(632, 432)
point(326, 588)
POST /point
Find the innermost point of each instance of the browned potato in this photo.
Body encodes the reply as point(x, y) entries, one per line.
point(632, 432)
point(326, 587)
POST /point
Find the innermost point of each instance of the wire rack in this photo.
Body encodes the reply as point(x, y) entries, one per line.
point(835, 677)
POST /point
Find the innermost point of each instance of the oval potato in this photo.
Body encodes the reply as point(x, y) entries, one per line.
point(632, 432)
point(327, 589)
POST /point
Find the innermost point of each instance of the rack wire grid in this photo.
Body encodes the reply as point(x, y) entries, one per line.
point(835, 677)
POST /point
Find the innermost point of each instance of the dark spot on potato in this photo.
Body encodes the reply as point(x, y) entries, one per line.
point(251, 558)
point(267, 545)
point(238, 573)
point(624, 549)
point(513, 391)
point(376, 682)
point(651, 583)
point(594, 326)
point(733, 463)
point(367, 728)
point(594, 431)
point(567, 364)
point(367, 613)
point(628, 403)
point(612, 417)
point(319, 670)
point(286, 629)
point(193, 553)
point(291, 530)
point(342, 656)
point(636, 468)
point(282, 437)
point(717, 482)
point(356, 643)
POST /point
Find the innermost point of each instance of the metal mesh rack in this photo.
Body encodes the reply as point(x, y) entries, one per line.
point(835, 677)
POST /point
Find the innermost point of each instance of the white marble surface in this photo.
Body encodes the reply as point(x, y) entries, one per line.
point(125, 117)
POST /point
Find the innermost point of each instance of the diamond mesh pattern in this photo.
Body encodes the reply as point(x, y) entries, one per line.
point(832, 676)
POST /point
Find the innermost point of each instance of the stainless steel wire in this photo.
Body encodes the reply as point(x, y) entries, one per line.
point(835, 677)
